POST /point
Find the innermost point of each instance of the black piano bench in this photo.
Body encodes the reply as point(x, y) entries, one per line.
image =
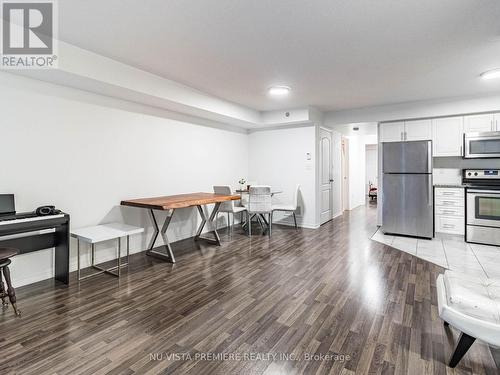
point(5, 254)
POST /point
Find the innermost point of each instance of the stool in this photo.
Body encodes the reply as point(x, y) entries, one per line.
point(5, 254)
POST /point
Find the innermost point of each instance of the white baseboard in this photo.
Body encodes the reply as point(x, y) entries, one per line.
point(33, 278)
point(337, 215)
point(289, 222)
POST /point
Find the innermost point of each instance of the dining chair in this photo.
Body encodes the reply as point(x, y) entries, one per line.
point(259, 204)
point(291, 207)
point(228, 207)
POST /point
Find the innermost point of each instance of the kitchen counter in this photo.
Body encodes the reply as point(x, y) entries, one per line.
point(449, 186)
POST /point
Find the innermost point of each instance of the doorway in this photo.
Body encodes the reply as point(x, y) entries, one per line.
point(371, 172)
point(326, 175)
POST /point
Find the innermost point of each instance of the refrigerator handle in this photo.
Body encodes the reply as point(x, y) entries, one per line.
point(429, 158)
point(429, 198)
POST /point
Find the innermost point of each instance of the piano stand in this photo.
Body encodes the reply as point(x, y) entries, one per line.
point(58, 239)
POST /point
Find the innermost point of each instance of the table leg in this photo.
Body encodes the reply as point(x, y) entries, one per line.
point(61, 253)
point(119, 255)
point(128, 249)
point(155, 228)
point(169, 255)
point(264, 218)
point(210, 221)
point(78, 259)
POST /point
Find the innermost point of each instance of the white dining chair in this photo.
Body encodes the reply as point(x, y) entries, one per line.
point(291, 207)
point(259, 204)
point(470, 304)
point(229, 206)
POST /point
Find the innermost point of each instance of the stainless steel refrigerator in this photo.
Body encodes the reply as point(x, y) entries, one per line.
point(407, 203)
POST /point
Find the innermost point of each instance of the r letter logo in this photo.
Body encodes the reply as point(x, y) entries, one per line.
point(28, 34)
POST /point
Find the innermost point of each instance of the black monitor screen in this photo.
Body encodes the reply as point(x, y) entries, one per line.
point(7, 205)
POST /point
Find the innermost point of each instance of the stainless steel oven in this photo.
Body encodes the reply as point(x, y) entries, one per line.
point(482, 145)
point(483, 206)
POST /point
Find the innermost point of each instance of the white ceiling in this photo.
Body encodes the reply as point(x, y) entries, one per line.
point(335, 54)
point(364, 128)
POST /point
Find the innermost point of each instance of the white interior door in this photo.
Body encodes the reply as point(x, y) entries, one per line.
point(345, 174)
point(326, 176)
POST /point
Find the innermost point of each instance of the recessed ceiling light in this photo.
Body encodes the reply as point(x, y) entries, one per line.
point(491, 74)
point(279, 90)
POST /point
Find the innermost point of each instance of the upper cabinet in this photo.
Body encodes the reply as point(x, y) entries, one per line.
point(446, 133)
point(480, 123)
point(418, 130)
point(392, 131)
point(447, 136)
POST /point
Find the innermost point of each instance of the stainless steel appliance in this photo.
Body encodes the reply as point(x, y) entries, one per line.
point(407, 204)
point(482, 145)
point(482, 206)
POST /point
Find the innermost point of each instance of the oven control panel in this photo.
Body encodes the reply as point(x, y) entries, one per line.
point(482, 174)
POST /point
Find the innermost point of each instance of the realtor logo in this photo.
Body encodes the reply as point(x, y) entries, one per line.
point(28, 34)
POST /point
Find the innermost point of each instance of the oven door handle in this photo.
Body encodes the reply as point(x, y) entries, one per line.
point(485, 193)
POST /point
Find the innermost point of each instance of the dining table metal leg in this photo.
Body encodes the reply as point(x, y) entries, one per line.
point(210, 222)
point(156, 231)
point(169, 255)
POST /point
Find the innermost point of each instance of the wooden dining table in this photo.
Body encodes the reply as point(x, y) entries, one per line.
point(171, 203)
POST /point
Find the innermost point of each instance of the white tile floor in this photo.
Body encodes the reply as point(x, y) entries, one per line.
point(450, 252)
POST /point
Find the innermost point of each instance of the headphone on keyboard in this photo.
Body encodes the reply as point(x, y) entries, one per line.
point(47, 210)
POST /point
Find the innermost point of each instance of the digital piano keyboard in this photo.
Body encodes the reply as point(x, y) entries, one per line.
point(28, 233)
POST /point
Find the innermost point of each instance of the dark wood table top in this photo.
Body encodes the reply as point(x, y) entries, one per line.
point(179, 201)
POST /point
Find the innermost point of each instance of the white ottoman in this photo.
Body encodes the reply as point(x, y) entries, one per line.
point(471, 305)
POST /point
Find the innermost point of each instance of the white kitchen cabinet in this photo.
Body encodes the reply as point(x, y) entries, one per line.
point(447, 136)
point(479, 123)
point(449, 211)
point(418, 130)
point(392, 131)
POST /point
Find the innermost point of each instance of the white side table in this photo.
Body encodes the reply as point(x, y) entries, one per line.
point(100, 233)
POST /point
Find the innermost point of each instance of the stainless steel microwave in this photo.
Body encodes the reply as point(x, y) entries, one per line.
point(482, 145)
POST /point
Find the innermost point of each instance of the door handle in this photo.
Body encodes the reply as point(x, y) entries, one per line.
point(331, 179)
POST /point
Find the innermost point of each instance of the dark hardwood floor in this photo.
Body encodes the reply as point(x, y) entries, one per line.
point(330, 291)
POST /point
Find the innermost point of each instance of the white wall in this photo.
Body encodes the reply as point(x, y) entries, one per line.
point(60, 148)
point(278, 158)
point(357, 168)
